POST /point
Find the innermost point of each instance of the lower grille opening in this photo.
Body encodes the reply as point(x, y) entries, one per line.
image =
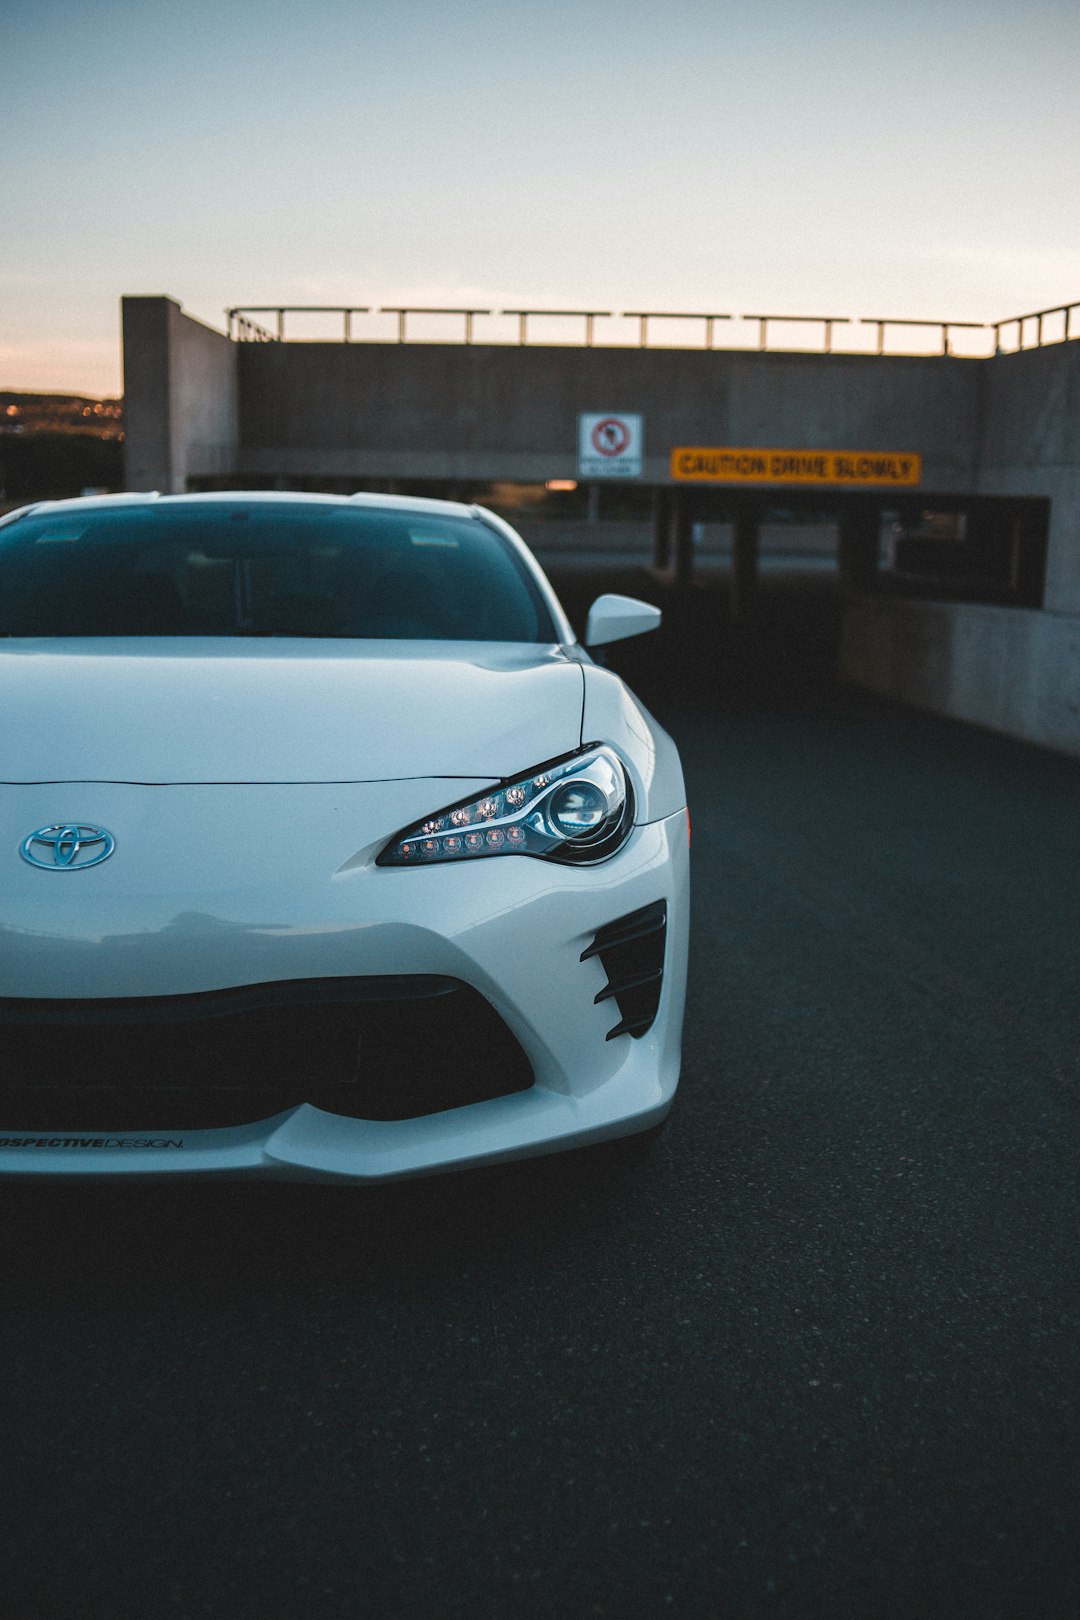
point(416, 1047)
point(631, 951)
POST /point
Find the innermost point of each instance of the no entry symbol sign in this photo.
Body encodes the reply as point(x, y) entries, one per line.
point(610, 445)
point(611, 436)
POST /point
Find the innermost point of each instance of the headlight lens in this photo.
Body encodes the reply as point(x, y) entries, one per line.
point(579, 810)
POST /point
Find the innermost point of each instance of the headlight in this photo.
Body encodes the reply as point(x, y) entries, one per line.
point(578, 810)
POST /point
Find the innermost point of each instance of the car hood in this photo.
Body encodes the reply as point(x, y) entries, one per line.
point(216, 710)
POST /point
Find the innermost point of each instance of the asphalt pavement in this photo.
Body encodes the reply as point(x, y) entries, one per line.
point(813, 1351)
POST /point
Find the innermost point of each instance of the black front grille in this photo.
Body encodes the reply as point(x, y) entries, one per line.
point(631, 951)
point(380, 1048)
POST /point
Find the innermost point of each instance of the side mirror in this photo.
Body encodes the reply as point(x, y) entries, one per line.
point(614, 618)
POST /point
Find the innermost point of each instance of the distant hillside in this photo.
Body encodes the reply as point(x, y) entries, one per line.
point(61, 413)
point(52, 445)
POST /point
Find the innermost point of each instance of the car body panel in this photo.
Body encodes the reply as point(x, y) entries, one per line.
point(613, 713)
point(214, 709)
point(515, 929)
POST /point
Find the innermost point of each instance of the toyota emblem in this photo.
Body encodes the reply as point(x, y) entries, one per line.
point(67, 846)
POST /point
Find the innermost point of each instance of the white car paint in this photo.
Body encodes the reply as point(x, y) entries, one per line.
point(614, 618)
point(209, 709)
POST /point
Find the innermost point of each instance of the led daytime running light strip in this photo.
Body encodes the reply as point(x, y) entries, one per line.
point(516, 819)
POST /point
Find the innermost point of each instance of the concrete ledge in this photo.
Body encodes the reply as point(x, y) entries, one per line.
point(551, 535)
point(1015, 670)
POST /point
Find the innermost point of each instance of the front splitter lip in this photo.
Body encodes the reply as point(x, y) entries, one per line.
point(308, 1144)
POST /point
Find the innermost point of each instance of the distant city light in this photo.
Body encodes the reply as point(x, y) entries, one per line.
point(561, 483)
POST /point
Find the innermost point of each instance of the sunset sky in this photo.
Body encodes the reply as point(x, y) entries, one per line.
point(853, 157)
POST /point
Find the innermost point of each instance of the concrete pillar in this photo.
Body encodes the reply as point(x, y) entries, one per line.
point(661, 528)
point(592, 514)
point(180, 397)
point(682, 539)
point(744, 563)
point(857, 550)
point(149, 459)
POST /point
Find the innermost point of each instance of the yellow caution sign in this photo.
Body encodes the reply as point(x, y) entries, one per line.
point(721, 465)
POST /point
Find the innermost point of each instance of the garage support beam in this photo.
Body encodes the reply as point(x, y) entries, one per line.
point(857, 551)
point(682, 541)
point(661, 519)
point(744, 564)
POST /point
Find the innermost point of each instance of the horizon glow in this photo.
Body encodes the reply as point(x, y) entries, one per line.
point(832, 157)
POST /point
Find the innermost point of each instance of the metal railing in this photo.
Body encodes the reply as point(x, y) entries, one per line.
point(1040, 317)
point(764, 331)
point(245, 330)
point(589, 316)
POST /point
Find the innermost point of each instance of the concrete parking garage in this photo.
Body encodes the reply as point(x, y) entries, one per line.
point(987, 631)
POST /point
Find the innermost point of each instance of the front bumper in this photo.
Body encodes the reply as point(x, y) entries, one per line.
point(513, 929)
point(310, 1145)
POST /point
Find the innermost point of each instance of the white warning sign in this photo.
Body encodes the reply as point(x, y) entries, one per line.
point(610, 445)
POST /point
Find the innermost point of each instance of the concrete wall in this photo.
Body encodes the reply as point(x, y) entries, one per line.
point(550, 537)
point(180, 397)
point(1029, 444)
point(1015, 670)
point(503, 412)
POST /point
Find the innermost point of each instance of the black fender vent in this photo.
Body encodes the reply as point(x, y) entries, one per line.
point(631, 951)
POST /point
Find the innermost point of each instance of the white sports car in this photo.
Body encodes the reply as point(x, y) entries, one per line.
point(328, 852)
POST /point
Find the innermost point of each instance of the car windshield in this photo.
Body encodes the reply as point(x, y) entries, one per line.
point(264, 569)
